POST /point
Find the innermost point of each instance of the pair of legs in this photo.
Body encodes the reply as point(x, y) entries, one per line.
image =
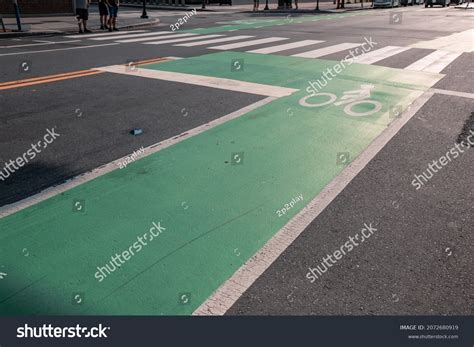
point(82, 24)
point(103, 22)
point(104, 12)
point(113, 18)
point(255, 5)
point(82, 15)
point(296, 4)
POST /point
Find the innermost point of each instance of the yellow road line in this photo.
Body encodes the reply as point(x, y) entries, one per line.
point(53, 78)
point(67, 75)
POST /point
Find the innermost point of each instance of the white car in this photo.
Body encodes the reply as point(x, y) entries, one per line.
point(386, 3)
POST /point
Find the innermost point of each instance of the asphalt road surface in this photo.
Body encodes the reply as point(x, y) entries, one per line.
point(240, 183)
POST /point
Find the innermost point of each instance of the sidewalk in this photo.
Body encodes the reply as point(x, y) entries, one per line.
point(131, 19)
point(468, 6)
point(68, 24)
point(302, 7)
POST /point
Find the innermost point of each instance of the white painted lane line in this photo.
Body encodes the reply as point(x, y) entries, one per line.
point(59, 49)
point(453, 93)
point(183, 40)
point(40, 44)
point(204, 81)
point(285, 47)
point(229, 292)
point(248, 43)
point(379, 54)
point(434, 62)
point(86, 36)
point(206, 42)
point(151, 38)
point(115, 165)
point(120, 36)
point(326, 50)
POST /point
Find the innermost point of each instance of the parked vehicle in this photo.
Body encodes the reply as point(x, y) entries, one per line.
point(443, 3)
point(406, 2)
point(386, 3)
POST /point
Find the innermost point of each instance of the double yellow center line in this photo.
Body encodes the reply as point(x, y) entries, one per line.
point(67, 76)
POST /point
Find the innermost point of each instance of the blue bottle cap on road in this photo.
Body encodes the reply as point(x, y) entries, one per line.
point(136, 131)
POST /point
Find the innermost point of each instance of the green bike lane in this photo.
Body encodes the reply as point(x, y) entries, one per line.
point(250, 24)
point(214, 196)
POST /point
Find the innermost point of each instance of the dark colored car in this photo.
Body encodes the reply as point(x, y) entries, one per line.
point(443, 3)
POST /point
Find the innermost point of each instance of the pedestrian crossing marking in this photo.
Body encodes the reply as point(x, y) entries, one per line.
point(206, 42)
point(326, 50)
point(121, 36)
point(434, 62)
point(151, 38)
point(183, 39)
point(248, 43)
point(86, 36)
point(284, 47)
point(379, 54)
point(458, 42)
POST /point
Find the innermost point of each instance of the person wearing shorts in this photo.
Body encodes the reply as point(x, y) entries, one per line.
point(82, 15)
point(113, 9)
point(103, 12)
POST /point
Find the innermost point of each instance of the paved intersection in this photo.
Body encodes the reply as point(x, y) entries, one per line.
point(220, 173)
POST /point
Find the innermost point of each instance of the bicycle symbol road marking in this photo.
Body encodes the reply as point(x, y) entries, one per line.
point(350, 99)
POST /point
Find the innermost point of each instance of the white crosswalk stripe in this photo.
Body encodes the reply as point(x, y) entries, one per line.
point(434, 62)
point(86, 36)
point(157, 37)
point(248, 43)
point(182, 40)
point(327, 50)
point(457, 42)
point(379, 54)
point(285, 47)
point(207, 42)
point(121, 36)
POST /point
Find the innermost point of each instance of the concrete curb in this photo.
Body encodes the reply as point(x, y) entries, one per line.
point(170, 8)
point(310, 11)
point(39, 33)
point(229, 9)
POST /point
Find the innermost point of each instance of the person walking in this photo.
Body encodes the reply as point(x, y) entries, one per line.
point(113, 10)
point(103, 12)
point(82, 15)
